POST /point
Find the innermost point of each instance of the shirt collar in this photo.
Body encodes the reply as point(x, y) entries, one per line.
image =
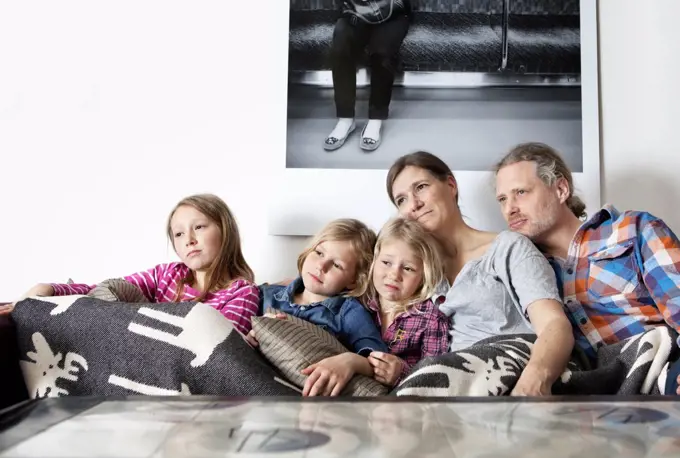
point(608, 212)
point(419, 308)
point(297, 286)
point(440, 291)
point(372, 305)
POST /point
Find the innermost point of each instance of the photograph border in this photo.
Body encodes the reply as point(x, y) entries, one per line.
point(305, 200)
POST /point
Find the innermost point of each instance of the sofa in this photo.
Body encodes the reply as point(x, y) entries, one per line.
point(528, 37)
point(12, 388)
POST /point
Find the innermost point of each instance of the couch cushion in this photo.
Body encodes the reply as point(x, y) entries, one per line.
point(292, 344)
point(117, 290)
point(12, 388)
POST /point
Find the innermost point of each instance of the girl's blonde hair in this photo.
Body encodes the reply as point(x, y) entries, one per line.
point(230, 264)
point(362, 240)
point(424, 246)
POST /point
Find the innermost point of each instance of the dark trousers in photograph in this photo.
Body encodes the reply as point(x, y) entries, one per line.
point(383, 42)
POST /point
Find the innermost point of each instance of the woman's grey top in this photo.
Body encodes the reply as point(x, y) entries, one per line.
point(491, 294)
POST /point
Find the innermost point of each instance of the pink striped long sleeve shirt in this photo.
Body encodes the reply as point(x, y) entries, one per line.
point(238, 303)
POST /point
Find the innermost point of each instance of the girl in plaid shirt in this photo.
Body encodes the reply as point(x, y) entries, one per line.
point(406, 270)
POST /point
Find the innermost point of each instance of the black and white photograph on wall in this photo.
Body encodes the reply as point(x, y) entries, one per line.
point(372, 80)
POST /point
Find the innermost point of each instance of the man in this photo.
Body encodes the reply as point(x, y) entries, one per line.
point(619, 273)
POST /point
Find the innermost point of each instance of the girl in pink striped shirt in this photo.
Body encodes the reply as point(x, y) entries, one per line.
point(212, 270)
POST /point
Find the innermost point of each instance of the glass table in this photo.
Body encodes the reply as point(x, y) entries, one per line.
point(198, 426)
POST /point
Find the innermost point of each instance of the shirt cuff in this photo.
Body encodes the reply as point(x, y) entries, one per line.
point(365, 351)
point(59, 290)
point(405, 370)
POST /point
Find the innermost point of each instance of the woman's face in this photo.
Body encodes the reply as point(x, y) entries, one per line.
point(421, 197)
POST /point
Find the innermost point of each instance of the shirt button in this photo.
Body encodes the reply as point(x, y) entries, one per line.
point(583, 321)
point(570, 271)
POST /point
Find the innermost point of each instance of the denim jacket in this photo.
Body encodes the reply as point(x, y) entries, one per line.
point(344, 317)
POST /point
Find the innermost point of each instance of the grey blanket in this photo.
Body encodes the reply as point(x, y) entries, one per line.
point(492, 366)
point(77, 345)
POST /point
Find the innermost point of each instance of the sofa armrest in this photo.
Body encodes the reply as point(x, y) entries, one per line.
point(12, 387)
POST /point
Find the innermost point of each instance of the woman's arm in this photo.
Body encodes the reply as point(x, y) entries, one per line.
point(533, 282)
point(552, 349)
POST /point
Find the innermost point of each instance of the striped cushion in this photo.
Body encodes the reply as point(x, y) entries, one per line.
point(117, 290)
point(293, 344)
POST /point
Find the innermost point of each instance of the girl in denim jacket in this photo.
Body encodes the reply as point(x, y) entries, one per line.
point(333, 273)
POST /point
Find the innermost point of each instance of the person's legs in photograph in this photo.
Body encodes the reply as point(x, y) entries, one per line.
point(383, 47)
point(348, 42)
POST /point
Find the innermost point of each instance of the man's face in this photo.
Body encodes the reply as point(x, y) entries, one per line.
point(529, 206)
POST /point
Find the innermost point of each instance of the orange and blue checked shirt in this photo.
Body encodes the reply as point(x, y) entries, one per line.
point(621, 277)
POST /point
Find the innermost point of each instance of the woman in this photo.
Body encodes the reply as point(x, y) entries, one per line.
point(497, 283)
point(352, 35)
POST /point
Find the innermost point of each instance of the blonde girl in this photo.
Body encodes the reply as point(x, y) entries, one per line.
point(406, 270)
point(333, 272)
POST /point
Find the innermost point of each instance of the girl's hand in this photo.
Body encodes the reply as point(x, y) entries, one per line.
point(328, 377)
point(386, 367)
point(250, 338)
point(41, 289)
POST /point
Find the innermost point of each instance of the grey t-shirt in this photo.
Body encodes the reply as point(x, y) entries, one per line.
point(491, 294)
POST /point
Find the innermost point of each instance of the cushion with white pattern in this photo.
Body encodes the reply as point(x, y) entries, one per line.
point(79, 345)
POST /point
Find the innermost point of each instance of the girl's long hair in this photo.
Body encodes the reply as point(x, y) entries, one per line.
point(425, 247)
point(230, 264)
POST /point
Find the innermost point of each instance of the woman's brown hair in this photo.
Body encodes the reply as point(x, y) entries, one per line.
point(423, 160)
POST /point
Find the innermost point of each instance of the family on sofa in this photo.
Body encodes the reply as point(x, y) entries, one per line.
point(429, 306)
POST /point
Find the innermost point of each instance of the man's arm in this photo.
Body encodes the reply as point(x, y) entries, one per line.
point(551, 351)
point(660, 252)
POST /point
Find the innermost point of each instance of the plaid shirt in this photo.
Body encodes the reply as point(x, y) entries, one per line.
point(413, 335)
point(621, 277)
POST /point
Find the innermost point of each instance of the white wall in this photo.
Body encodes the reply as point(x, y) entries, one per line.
point(112, 111)
point(640, 97)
